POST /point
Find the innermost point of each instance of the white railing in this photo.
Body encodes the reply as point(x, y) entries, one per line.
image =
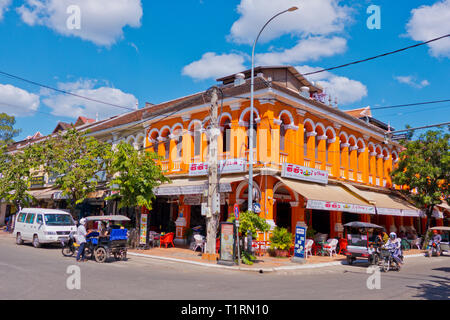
point(165, 165)
point(318, 166)
point(351, 175)
point(176, 164)
point(384, 182)
point(359, 177)
point(377, 181)
point(342, 173)
point(307, 163)
point(371, 179)
point(329, 169)
point(283, 158)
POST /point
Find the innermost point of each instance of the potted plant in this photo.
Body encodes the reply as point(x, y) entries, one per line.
point(280, 242)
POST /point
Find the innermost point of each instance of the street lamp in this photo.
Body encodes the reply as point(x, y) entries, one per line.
point(252, 87)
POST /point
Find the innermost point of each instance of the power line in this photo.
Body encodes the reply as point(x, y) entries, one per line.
point(410, 104)
point(63, 91)
point(377, 56)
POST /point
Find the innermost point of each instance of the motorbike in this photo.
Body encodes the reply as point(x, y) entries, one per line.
point(70, 247)
point(387, 260)
point(433, 249)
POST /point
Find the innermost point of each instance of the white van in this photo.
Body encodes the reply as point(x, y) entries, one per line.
point(43, 226)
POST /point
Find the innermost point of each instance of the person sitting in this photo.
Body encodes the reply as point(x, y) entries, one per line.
point(436, 239)
point(104, 230)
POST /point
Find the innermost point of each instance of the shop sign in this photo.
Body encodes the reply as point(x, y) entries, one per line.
point(300, 239)
point(294, 171)
point(192, 200)
point(389, 212)
point(225, 166)
point(411, 213)
point(337, 206)
point(58, 195)
point(37, 182)
point(143, 231)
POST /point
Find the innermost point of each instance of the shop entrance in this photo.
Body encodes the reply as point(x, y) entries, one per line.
point(284, 215)
point(321, 221)
point(197, 219)
point(160, 215)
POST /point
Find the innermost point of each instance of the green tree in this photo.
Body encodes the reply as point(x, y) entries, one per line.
point(424, 166)
point(16, 171)
point(76, 160)
point(7, 131)
point(251, 221)
point(134, 176)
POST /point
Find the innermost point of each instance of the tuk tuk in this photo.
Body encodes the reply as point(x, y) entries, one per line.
point(112, 244)
point(360, 244)
point(445, 234)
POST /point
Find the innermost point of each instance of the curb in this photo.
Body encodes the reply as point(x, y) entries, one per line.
point(259, 270)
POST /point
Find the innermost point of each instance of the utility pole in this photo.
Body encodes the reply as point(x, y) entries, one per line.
point(213, 212)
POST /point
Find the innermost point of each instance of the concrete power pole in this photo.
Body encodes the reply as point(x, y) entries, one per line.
point(213, 213)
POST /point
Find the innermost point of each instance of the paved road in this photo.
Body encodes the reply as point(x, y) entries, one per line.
point(29, 273)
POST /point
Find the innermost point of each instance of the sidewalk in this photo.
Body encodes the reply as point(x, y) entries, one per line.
point(262, 264)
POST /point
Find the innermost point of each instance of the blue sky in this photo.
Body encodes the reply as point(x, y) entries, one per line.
point(133, 51)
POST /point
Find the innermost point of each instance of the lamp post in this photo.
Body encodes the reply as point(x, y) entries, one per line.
point(252, 88)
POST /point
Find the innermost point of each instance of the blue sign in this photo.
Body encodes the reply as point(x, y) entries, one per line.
point(300, 241)
point(256, 208)
point(236, 211)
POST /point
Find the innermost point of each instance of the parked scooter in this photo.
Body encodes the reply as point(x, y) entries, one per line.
point(70, 247)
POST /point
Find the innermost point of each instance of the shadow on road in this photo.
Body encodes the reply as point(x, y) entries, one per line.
point(438, 289)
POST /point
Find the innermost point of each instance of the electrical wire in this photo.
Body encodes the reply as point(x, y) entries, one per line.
point(377, 56)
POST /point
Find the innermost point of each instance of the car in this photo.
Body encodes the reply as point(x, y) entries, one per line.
point(40, 225)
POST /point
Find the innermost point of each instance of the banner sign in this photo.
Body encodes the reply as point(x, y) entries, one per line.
point(143, 231)
point(225, 166)
point(37, 182)
point(300, 240)
point(294, 171)
point(337, 206)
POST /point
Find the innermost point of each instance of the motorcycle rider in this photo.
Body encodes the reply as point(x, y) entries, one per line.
point(395, 246)
point(436, 239)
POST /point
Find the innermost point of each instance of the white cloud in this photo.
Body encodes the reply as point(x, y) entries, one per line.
point(71, 106)
point(344, 89)
point(412, 81)
point(102, 21)
point(429, 22)
point(214, 66)
point(17, 102)
point(4, 4)
point(314, 17)
point(310, 49)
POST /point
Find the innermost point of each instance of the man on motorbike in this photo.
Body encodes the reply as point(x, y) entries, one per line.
point(395, 246)
point(437, 240)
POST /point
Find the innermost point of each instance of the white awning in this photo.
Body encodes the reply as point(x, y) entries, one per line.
point(386, 203)
point(193, 186)
point(328, 197)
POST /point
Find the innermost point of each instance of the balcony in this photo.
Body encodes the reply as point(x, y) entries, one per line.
point(307, 163)
point(283, 158)
point(370, 179)
point(165, 165)
point(318, 165)
point(176, 165)
point(377, 181)
point(359, 177)
point(329, 169)
point(351, 175)
point(342, 173)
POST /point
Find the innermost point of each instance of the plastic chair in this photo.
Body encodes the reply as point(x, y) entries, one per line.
point(166, 239)
point(342, 246)
point(217, 245)
point(308, 247)
point(199, 242)
point(330, 246)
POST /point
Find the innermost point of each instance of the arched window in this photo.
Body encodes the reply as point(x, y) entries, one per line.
point(282, 136)
point(226, 136)
point(305, 142)
point(197, 139)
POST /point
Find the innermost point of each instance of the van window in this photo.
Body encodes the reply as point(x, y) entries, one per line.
point(30, 218)
point(39, 218)
point(21, 217)
point(58, 219)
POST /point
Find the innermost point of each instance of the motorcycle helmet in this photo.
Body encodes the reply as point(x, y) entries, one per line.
point(392, 235)
point(435, 232)
point(82, 221)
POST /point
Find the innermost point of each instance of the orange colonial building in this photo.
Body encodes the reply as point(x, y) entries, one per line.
point(315, 164)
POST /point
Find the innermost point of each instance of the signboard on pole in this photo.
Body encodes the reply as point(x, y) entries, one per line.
point(236, 211)
point(227, 244)
point(299, 247)
point(143, 231)
point(225, 166)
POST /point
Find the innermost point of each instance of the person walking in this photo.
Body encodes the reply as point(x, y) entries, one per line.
point(81, 239)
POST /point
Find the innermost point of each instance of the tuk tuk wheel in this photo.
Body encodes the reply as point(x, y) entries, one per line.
point(100, 255)
point(124, 255)
point(350, 260)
